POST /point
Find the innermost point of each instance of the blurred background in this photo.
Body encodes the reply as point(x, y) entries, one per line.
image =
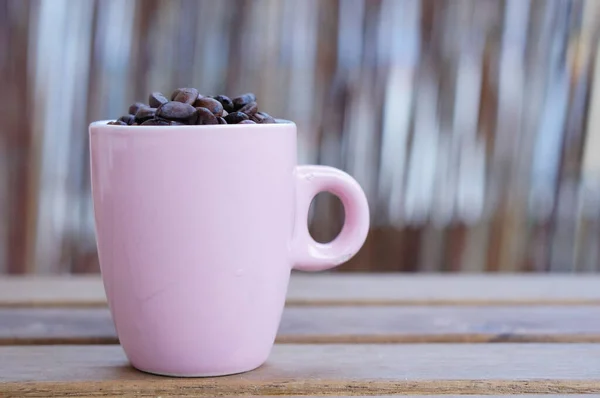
point(472, 125)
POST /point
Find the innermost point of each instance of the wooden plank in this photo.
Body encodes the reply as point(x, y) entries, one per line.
point(339, 325)
point(446, 289)
point(347, 289)
point(52, 290)
point(317, 370)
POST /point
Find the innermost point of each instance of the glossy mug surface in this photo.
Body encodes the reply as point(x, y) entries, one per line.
point(198, 229)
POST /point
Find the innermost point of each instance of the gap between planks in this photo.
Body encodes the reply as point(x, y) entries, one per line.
point(338, 325)
point(342, 303)
point(336, 370)
point(342, 339)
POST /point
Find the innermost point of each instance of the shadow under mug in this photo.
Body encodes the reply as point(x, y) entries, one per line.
point(198, 229)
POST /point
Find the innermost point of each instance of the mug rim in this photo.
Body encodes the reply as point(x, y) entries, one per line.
point(102, 124)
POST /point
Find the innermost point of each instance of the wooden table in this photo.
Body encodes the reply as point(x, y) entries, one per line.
point(341, 335)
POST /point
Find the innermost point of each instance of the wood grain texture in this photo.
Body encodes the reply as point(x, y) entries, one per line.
point(317, 370)
point(346, 289)
point(338, 325)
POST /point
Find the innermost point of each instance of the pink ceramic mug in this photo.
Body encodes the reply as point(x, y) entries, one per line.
point(198, 228)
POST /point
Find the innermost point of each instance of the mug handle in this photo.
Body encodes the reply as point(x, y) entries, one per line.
point(309, 255)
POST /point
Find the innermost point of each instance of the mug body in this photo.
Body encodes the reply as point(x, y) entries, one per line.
point(194, 227)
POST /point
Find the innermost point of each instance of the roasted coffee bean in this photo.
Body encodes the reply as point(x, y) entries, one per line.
point(144, 114)
point(185, 95)
point(243, 100)
point(187, 106)
point(205, 116)
point(268, 120)
point(156, 99)
point(178, 111)
point(250, 108)
point(169, 122)
point(134, 108)
point(156, 122)
point(226, 102)
point(127, 119)
point(174, 94)
point(235, 117)
point(262, 118)
point(211, 104)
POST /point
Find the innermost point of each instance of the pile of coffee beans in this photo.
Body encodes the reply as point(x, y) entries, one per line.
point(188, 106)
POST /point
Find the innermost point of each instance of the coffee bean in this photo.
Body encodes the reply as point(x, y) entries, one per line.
point(235, 117)
point(127, 119)
point(187, 106)
point(156, 122)
point(134, 108)
point(226, 102)
point(144, 114)
point(178, 111)
point(174, 94)
point(243, 100)
point(169, 122)
point(211, 104)
point(185, 95)
point(262, 118)
point(205, 116)
point(250, 108)
point(156, 99)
